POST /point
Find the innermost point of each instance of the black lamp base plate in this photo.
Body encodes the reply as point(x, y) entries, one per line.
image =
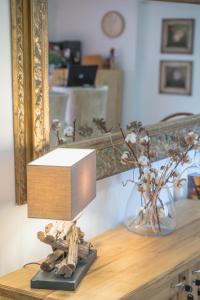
point(48, 280)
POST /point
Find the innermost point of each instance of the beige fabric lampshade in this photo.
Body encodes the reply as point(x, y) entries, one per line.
point(61, 183)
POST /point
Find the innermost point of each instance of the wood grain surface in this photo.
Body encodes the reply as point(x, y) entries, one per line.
point(128, 266)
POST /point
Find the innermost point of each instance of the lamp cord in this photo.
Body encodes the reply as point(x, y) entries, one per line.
point(31, 263)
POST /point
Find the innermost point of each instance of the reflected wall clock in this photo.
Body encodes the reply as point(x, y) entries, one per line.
point(113, 24)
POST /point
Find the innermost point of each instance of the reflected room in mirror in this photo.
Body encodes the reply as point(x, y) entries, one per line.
point(128, 84)
point(85, 84)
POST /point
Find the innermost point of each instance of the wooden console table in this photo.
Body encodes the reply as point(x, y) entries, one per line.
point(128, 266)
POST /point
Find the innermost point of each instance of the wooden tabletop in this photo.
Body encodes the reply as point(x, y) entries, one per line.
point(126, 262)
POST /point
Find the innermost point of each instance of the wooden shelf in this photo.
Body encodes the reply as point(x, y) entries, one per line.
point(129, 266)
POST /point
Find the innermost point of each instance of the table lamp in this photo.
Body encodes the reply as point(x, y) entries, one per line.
point(60, 185)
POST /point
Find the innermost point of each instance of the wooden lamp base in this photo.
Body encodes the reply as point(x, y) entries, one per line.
point(69, 261)
point(49, 280)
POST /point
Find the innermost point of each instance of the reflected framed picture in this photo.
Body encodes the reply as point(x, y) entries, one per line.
point(176, 77)
point(177, 36)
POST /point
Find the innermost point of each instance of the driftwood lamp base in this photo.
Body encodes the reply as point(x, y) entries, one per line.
point(70, 259)
point(49, 280)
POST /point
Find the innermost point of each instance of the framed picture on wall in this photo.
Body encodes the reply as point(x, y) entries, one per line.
point(177, 36)
point(176, 77)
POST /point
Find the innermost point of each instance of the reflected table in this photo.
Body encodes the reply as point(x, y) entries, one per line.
point(79, 103)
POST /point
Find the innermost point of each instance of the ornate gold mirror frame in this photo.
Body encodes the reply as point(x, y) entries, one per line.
point(31, 106)
point(30, 85)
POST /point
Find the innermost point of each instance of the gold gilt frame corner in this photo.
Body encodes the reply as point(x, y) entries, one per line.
point(30, 85)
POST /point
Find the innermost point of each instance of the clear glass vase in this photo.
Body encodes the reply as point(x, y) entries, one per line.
point(146, 218)
point(196, 158)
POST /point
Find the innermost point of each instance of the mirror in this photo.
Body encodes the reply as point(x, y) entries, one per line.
point(31, 99)
point(152, 72)
point(85, 82)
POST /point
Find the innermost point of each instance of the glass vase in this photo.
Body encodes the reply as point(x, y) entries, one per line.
point(196, 158)
point(151, 218)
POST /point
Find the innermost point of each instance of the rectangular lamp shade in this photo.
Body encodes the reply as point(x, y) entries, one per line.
point(61, 183)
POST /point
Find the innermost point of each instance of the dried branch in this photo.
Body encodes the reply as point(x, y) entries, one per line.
point(101, 125)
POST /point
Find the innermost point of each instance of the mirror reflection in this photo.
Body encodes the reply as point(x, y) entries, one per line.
point(118, 61)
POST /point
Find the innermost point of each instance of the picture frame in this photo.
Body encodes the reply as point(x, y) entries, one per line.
point(176, 77)
point(177, 36)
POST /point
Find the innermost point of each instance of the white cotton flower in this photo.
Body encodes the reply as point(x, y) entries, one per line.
point(55, 121)
point(144, 140)
point(149, 176)
point(68, 131)
point(131, 138)
point(125, 156)
point(191, 133)
point(192, 138)
point(143, 160)
point(55, 125)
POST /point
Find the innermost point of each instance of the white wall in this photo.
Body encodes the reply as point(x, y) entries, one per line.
point(152, 106)
point(81, 20)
